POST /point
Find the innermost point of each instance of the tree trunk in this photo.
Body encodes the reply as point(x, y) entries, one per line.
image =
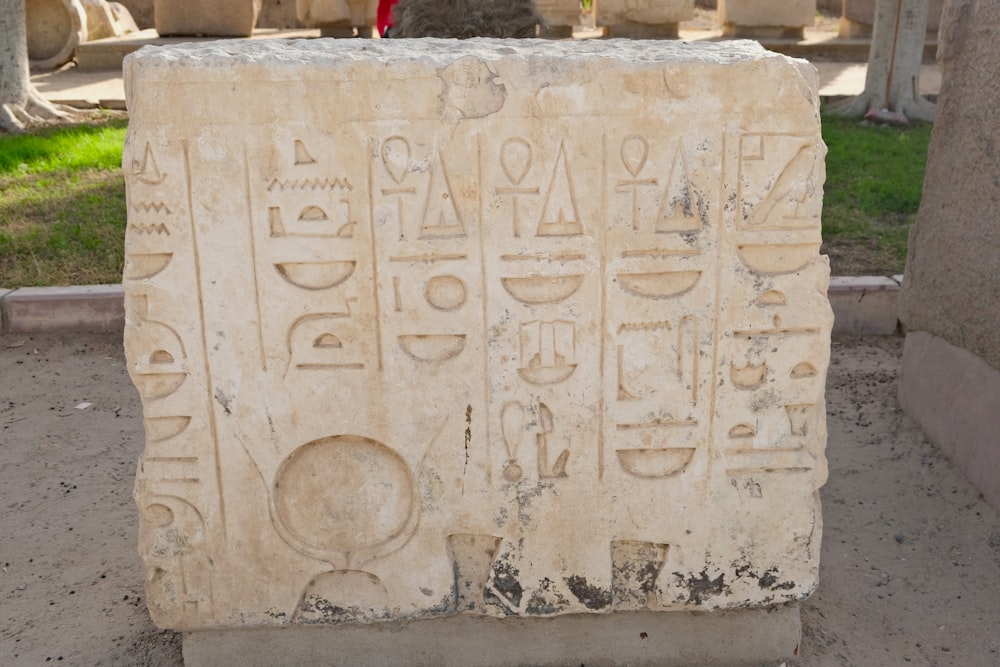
point(20, 104)
point(897, 51)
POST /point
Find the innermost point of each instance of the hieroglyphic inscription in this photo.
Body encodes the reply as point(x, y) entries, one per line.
point(444, 336)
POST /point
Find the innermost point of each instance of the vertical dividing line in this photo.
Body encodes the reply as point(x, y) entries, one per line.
point(719, 238)
point(253, 259)
point(486, 320)
point(602, 249)
point(204, 340)
point(374, 259)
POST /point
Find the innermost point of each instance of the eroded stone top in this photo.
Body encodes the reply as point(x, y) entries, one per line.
point(442, 52)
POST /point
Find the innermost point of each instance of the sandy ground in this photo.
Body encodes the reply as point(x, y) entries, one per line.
point(910, 560)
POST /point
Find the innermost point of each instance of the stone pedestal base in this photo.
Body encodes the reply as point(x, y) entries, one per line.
point(853, 29)
point(761, 32)
point(749, 637)
point(954, 396)
point(342, 32)
point(644, 30)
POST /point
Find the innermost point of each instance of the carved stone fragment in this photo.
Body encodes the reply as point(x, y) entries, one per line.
point(490, 327)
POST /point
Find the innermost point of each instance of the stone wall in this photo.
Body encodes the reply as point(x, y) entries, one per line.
point(503, 328)
point(950, 293)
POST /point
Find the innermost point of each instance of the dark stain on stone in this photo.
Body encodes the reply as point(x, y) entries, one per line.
point(315, 610)
point(468, 432)
point(223, 400)
point(545, 600)
point(769, 580)
point(506, 584)
point(592, 597)
point(701, 587)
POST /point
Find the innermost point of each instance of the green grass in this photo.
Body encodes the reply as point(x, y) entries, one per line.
point(874, 178)
point(62, 201)
point(62, 206)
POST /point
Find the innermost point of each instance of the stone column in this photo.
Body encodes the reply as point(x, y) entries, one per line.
point(766, 18)
point(484, 334)
point(55, 28)
point(950, 297)
point(644, 19)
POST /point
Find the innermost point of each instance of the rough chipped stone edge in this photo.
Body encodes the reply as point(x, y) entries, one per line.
point(845, 293)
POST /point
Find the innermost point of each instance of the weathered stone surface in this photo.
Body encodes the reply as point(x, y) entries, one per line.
point(950, 289)
point(222, 18)
point(493, 327)
point(766, 18)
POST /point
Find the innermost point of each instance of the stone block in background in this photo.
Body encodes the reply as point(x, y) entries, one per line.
point(54, 29)
point(221, 18)
point(949, 302)
point(644, 19)
point(858, 17)
point(107, 19)
point(766, 18)
point(560, 16)
point(502, 328)
point(339, 18)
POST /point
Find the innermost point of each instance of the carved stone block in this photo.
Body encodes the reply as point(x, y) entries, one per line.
point(488, 327)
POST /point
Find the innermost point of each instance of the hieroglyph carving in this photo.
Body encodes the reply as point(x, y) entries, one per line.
point(424, 323)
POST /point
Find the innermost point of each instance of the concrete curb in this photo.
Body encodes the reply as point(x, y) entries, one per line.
point(862, 306)
point(44, 309)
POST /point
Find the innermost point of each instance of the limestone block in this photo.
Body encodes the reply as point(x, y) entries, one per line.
point(950, 288)
point(949, 299)
point(222, 18)
point(766, 18)
point(508, 328)
point(644, 18)
point(336, 13)
point(55, 28)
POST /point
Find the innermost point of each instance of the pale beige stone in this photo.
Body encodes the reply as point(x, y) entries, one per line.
point(333, 14)
point(766, 18)
point(107, 19)
point(55, 28)
point(644, 18)
point(222, 18)
point(499, 327)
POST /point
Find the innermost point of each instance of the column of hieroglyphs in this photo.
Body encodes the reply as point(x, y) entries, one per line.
point(508, 328)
